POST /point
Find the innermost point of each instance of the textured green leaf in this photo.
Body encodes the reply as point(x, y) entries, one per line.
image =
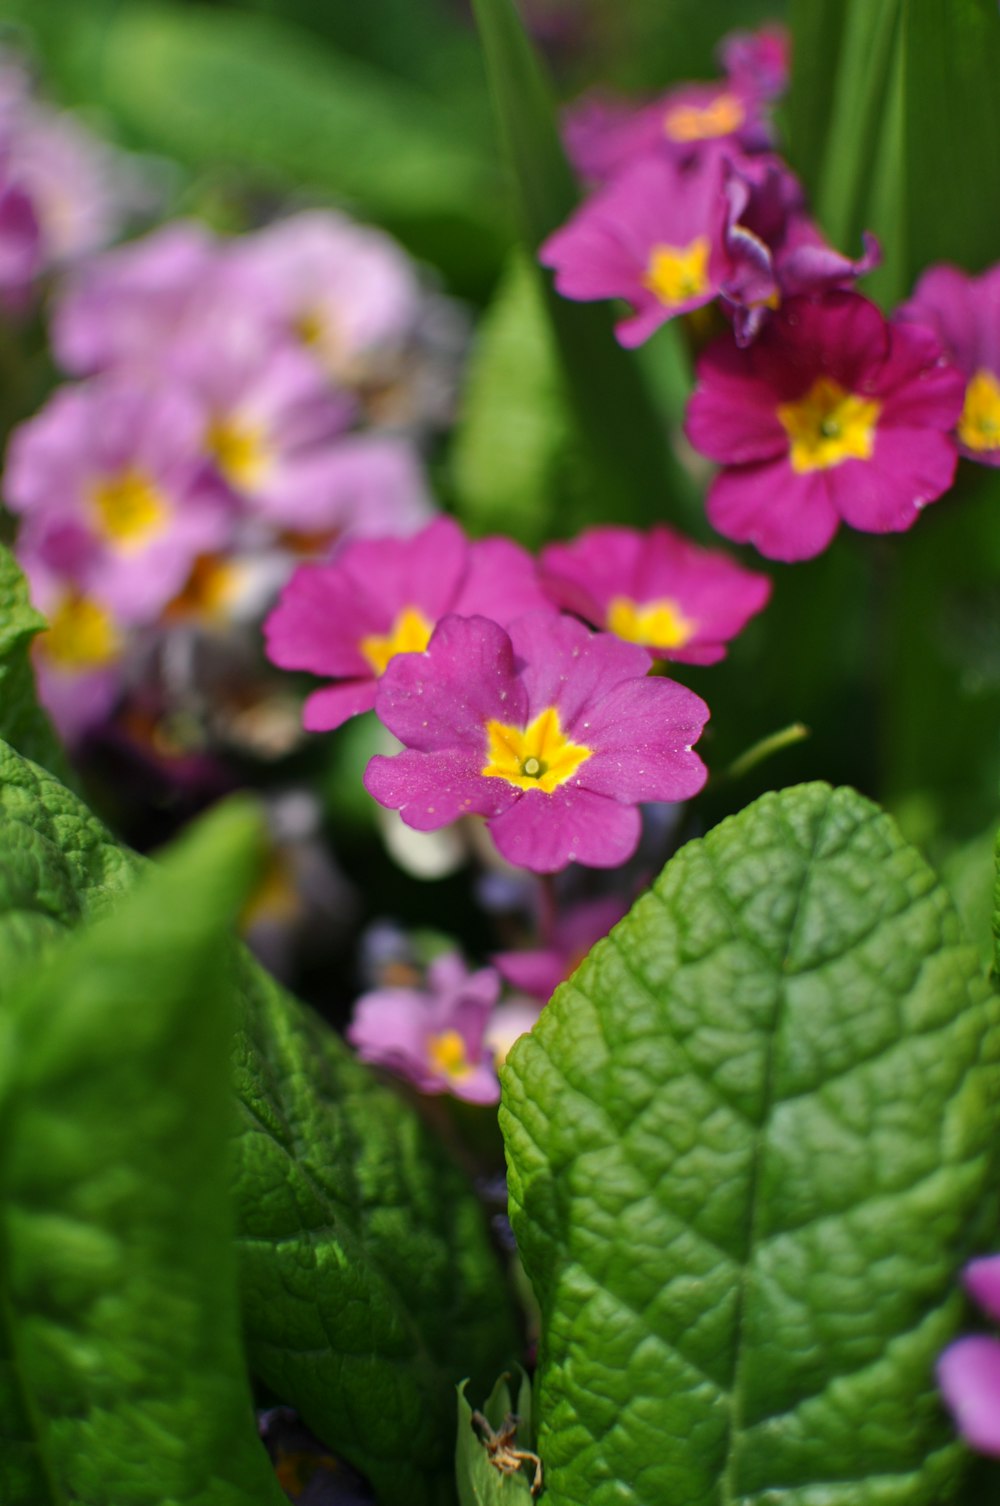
point(479, 1481)
point(118, 1219)
point(369, 1284)
point(636, 477)
point(750, 1144)
point(22, 723)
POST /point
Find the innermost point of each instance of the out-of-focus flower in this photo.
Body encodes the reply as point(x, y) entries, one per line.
point(78, 659)
point(539, 971)
point(758, 62)
point(434, 1037)
point(552, 733)
point(678, 600)
point(20, 244)
point(508, 1022)
point(833, 415)
point(380, 598)
point(654, 236)
point(111, 482)
point(964, 313)
point(969, 1370)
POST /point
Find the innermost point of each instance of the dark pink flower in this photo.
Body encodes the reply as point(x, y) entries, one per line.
point(833, 415)
point(379, 598)
point(553, 733)
point(758, 62)
point(654, 237)
point(658, 589)
point(539, 971)
point(434, 1037)
point(969, 1370)
point(964, 313)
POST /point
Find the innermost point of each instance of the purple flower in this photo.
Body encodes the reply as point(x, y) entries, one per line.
point(969, 1370)
point(964, 313)
point(111, 481)
point(658, 589)
point(757, 61)
point(379, 598)
point(79, 658)
point(654, 236)
point(434, 1037)
point(539, 971)
point(552, 733)
point(20, 245)
point(833, 415)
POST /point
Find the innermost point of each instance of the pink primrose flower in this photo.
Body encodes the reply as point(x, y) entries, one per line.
point(964, 313)
point(378, 599)
point(655, 237)
point(677, 600)
point(111, 481)
point(539, 971)
point(553, 733)
point(758, 62)
point(348, 293)
point(969, 1370)
point(433, 1037)
point(833, 415)
point(20, 245)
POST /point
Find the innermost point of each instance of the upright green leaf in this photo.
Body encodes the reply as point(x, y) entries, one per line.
point(21, 721)
point(636, 477)
point(750, 1145)
point(817, 29)
point(369, 1284)
point(118, 1218)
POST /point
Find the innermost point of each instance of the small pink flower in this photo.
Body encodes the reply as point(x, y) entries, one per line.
point(964, 313)
point(552, 733)
point(969, 1370)
point(380, 598)
point(539, 971)
point(112, 483)
point(433, 1037)
point(833, 415)
point(658, 589)
point(654, 236)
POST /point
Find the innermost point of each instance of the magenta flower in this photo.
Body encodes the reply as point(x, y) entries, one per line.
point(434, 1037)
point(539, 971)
point(553, 733)
point(832, 416)
point(658, 589)
point(757, 62)
point(964, 313)
point(969, 1370)
point(111, 481)
point(380, 598)
point(654, 236)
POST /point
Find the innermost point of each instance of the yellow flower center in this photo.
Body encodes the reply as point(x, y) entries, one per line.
point(537, 757)
point(129, 508)
point(81, 635)
point(828, 426)
point(656, 624)
point(410, 634)
point(724, 115)
point(240, 451)
point(979, 426)
point(209, 589)
point(676, 274)
point(446, 1051)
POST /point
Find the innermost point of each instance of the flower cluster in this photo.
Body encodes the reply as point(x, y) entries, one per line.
point(818, 408)
point(240, 404)
point(63, 192)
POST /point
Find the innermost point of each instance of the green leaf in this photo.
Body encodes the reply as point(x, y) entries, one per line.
point(481, 1483)
point(22, 723)
point(750, 1144)
point(817, 29)
point(369, 1283)
point(635, 475)
point(118, 1218)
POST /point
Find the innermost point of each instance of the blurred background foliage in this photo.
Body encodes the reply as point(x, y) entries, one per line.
point(888, 649)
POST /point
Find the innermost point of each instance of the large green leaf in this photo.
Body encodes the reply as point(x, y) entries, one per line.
point(635, 475)
point(118, 1219)
point(21, 721)
point(369, 1284)
point(750, 1145)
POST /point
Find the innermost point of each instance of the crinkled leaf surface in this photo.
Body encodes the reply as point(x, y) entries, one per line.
point(369, 1284)
point(749, 1145)
point(118, 1219)
point(22, 722)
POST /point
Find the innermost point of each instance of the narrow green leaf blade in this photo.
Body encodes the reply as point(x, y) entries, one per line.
point(817, 29)
point(119, 1223)
point(636, 476)
point(748, 1143)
